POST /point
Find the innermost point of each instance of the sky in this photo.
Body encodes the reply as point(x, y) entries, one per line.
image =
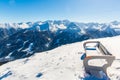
point(73, 10)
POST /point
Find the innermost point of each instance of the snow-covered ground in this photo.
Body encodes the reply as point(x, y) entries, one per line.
point(62, 63)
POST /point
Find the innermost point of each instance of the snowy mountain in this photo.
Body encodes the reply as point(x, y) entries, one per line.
point(19, 40)
point(62, 63)
point(8, 29)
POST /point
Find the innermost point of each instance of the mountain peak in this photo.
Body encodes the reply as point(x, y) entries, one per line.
point(115, 22)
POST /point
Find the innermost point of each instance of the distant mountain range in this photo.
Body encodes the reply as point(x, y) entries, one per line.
point(19, 40)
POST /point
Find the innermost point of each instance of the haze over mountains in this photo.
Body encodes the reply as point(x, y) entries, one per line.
point(19, 40)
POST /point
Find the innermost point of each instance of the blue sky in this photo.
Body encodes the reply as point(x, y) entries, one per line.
point(74, 10)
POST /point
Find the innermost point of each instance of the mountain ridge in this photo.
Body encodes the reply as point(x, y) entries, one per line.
point(28, 38)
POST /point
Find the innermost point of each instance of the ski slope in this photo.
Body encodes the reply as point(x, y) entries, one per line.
point(62, 63)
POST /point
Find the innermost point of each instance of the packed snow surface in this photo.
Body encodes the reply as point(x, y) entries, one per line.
point(62, 63)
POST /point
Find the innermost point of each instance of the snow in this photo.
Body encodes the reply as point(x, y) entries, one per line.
point(24, 25)
point(53, 28)
point(56, 27)
point(8, 44)
point(61, 26)
point(9, 55)
point(14, 25)
point(29, 49)
point(100, 62)
point(47, 44)
point(62, 63)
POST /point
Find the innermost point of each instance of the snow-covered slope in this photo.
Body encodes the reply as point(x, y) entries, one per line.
point(62, 63)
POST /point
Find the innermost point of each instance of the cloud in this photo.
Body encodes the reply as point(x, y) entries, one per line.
point(11, 2)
